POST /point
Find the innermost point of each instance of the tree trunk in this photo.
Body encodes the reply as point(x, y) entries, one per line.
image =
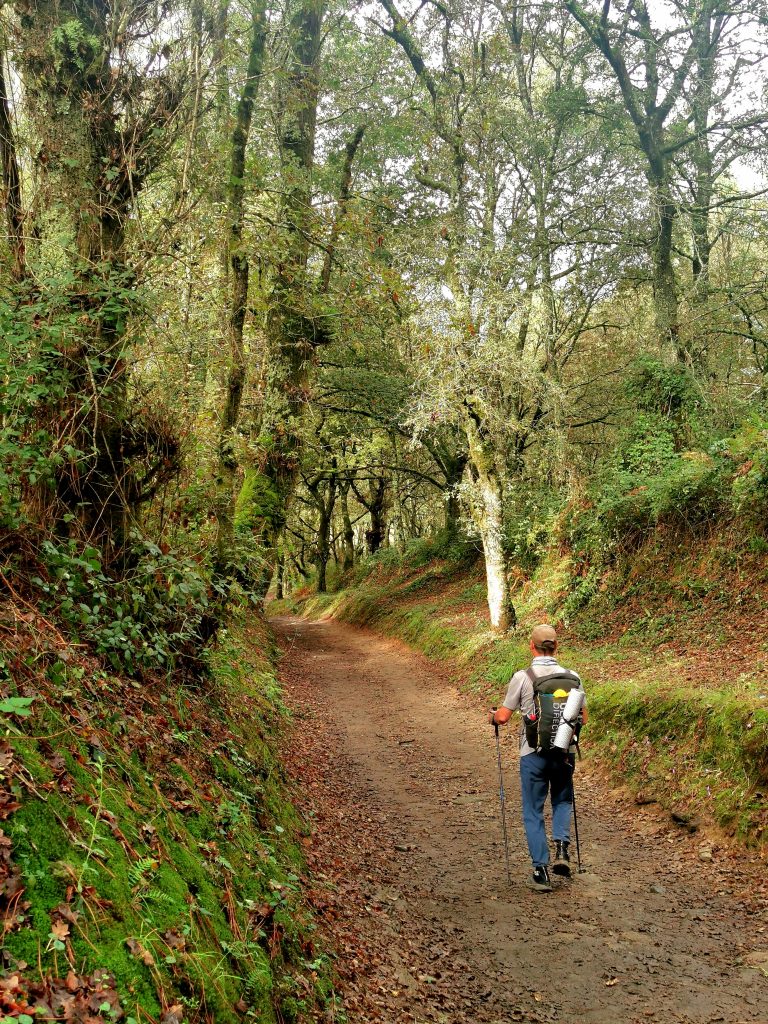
point(345, 187)
point(487, 508)
point(323, 552)
point(648, 112)
point(325, 504)
point(452, 512)
point(348, 531)
point(14, 209)
point(703, 164)
point(375, 534)
point(238, 299)
point(666, 319)
point(292, 334)
point(491, 527)
point(399, 519)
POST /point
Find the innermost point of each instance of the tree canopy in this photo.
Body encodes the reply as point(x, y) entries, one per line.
point(285, 285)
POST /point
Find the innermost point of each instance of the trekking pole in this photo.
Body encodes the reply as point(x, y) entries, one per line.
point(576, 826)
point(502, 802)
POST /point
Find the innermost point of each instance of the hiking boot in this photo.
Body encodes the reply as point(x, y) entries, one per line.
point(562, 865)
point(541, 880)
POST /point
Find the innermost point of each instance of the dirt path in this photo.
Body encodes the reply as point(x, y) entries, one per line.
point(399, 771)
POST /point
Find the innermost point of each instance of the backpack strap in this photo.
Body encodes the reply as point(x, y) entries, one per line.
point(562, 673)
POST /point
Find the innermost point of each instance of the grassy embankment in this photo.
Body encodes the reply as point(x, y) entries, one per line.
point(150, 861)
point(677, 678)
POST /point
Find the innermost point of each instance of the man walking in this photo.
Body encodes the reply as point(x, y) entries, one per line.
point(543, 770)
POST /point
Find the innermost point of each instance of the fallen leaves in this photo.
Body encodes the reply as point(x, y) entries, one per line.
point(8, 801)
point(118, 728)
point(60, 930)
point(12, 905)
point(393, 963)
point(140, 952)
point(173, 1015)
point(74, 998)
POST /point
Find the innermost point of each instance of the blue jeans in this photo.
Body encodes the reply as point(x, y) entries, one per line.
point(539, 776)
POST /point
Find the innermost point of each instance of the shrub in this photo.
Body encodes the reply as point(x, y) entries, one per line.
point(648, 482)
point(667, 391)
point(145, 619)
point(748, 450)
point(530, 520)
point(687, 491)
point(31, 378)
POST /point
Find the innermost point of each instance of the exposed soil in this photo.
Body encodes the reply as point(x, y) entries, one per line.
point(399, 772)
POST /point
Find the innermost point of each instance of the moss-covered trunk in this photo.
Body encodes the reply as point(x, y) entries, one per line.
point(77, 259)
point(293, 333)
point(348, 532)
point(665, 299)
point(236, 258)
point(14, 209)
point(324, 491)
point(88, 171)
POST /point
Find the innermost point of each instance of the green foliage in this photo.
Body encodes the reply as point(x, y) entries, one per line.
point(651, 731)
point(144, 619)
point(687, 492)
point(647, 446)
point(665, 389)
point(748, 450)
point(257, 500)
point(648, 483)
point(72, 43)
point(647, 480)
point(529, 522)
point(583, 589)
point(32, 379)
point(454, 548)
point(16, 706)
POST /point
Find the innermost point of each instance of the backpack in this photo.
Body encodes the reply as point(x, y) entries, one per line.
point(550, 694)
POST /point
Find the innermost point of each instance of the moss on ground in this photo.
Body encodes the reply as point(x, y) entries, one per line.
point(157, 856)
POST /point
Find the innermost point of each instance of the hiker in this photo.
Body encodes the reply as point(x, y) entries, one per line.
point(543, 768)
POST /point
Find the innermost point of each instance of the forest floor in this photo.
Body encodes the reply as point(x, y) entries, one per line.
point(398, 771)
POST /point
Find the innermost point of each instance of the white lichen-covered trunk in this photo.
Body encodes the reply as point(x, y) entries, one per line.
point(485, 500)
point(490, 524)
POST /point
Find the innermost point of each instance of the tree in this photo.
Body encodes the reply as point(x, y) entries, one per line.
point(652, 68)
point(101, 117)
point(520, 260)
point(293, 329)
point(237, 258)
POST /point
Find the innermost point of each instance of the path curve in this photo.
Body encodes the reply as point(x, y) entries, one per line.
point(399, 769)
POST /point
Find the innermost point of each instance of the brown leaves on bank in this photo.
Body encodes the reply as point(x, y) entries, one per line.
point(12, 903)
point(83, 1000)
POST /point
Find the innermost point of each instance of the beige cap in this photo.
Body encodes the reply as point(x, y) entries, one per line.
point(543, 635)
